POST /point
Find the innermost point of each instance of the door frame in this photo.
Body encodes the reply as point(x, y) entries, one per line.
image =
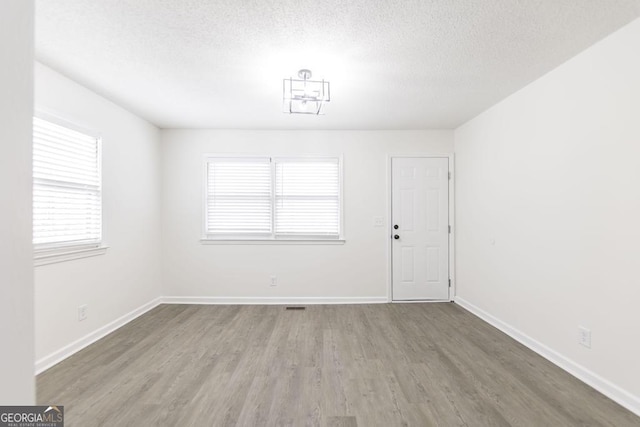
point(389, 254)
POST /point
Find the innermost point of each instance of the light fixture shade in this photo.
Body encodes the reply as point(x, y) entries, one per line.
point(304, 96)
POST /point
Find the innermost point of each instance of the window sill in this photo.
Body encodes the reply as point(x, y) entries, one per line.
point(206, 241)
point(53, 256)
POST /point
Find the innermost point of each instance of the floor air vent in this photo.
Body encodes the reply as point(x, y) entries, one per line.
point(295, 307)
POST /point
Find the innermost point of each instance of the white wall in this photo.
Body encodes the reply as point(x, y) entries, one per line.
point(127, 276)
point(552, 173)
point(16, 256)
point(357, 269)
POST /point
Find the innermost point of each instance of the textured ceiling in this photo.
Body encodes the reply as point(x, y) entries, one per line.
point(392, 64)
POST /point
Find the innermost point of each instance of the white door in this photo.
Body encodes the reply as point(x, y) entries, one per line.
point(420, 228)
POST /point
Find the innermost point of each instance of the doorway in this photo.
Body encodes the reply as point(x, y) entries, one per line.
point(420, 229)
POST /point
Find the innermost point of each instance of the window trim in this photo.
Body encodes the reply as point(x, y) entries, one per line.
point(272, 238)
point(67, 253)
point(50, 253)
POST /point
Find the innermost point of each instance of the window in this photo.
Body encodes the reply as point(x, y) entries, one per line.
point(273, 198)
point(67, 198)
point(239, 196)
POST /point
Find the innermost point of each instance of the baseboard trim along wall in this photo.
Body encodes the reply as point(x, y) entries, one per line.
point(274, 300)
point(612, 391)
point(58, 356)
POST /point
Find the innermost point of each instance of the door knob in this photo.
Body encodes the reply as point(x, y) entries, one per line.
point(396, 237)
point(395, 227)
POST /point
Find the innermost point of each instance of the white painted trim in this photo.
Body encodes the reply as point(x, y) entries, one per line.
point(452, 222)
point(58, 119)
point(206, 241)
point(58, 356)
point(66, 254)
point(389, 252)
point(273, 300)
point(612, 391)
point(450, 157)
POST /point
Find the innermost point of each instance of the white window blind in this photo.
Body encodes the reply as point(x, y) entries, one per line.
point(67, 199)
point(273, 198)
point(239, 196)
point(307, 197)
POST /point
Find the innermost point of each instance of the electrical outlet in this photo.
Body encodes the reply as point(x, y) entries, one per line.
point(274, 281)
point(584, 336)
point(82, 313)
point(378, 221)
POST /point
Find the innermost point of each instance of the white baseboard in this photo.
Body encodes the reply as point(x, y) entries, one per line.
point(59, 355)
point(612, 391)
point(274, 300)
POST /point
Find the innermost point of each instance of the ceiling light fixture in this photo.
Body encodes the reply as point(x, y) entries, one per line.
point(304, 96)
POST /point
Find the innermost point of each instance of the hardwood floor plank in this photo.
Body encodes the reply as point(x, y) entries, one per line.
point(341, 422)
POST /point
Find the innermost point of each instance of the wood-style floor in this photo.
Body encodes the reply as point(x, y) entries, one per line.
point(338, 365)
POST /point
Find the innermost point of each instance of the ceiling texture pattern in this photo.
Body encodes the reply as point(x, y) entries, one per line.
point(392, 64)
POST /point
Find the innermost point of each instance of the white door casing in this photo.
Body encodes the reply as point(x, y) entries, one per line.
point(420, 209)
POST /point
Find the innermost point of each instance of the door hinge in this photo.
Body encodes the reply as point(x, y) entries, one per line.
point(449, 282)
point(449, 174)
point(449, 229)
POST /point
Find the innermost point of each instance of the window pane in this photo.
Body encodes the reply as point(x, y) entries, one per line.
point(307, 197)
point(239, 196)
point(67, 202)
